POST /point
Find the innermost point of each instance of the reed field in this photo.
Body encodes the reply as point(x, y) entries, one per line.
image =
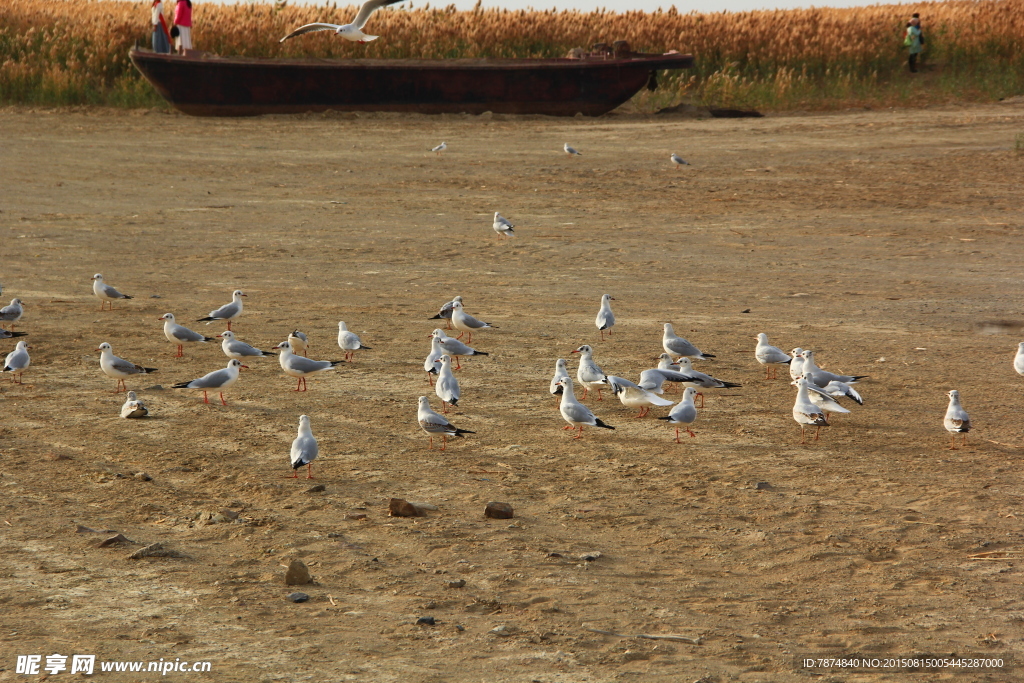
point(57, 52)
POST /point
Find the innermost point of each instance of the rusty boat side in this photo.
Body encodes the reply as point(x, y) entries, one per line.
point(203, 84)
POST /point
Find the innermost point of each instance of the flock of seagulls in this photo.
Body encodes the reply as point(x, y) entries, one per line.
point(818, 391)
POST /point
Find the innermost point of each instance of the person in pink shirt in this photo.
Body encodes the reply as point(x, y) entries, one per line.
point(183, 24)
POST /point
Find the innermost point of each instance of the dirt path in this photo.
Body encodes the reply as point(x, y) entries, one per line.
point(879, 239)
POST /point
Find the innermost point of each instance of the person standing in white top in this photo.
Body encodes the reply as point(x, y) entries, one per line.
point(161, 36)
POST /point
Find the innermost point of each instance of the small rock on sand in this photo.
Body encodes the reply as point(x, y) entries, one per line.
point(497, 510)
point(297, 574)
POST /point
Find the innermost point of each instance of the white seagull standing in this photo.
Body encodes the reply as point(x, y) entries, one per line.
point(119, 368)
point(227, 312)
point(349, 341)
point(575, 413)
point(236, 348)
point(300, 366)
point(672, 343)
point(455, 348)
point(466, 323)
point(560, 372)
point(633, 396)
point(299, 342)
point(133, 407)
point(447, 387)
point(351, 31)
point(679, 162)
point(589, 373)
point(440, 148)
point(1018, 360)
point(434, 423)
point(571, 151)
point(796, 366)
point(502, 225)
point(105, 293)
point(17, 362)
point(12, 313)
point(667, 371)
point(701, 381)
point(768, 355)
point(304, 449)
point(218, 379)
point(446, 311)
point(822, 399)
point(822, 377)
point(432, 364)
point(957, 421)
point(806, 413)
point(605, 317)
point(179, 334)
point(684, 413)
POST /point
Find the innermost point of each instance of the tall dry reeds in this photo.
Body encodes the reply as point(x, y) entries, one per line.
point(61, 52)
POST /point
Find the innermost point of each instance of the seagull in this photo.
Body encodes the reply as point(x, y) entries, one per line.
point(235, 348)
point(805, 412)
point(11, 313)
point(228, 311)
point(560, 372)
point(796, 367)
point(683, 413)
point(432, 365)
point(455, 348)
point(574, 412)
point(679, 163)
point(304, 449)
point(300, 366)
point(956, 421)
point(299, 342)
point(351, 31)
point(502, 225)
point(105, 293)
point(133, 407)
point(446, 311)
point(837, 389)
point(589, 373)
point(218, 379)
point(440, 148)
point(349, 342)
point(679, 346)
point(434, 423)
point(822, 377)
point(667, 371)
point(465, 322)
point(605, 317)
point(17, 361)
point(119, 368)
point(1018, 360)
point(571, 151)
point(822, 399)
point(702, 381)
point(447, 387)
point(633, 396)
point(178, 334)
point(768, 355)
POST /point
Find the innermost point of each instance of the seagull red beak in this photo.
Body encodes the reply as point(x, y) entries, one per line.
point(576, 351)
point(244, 366)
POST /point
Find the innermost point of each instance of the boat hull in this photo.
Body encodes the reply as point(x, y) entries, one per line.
point(206, 85)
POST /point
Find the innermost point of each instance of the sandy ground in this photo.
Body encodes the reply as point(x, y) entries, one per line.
point(881, 239)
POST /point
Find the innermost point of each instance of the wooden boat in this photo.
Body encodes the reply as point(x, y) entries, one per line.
point(203, 84)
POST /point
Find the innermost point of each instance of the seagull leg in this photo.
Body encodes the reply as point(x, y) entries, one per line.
point(460, 335)
point(701, 394)
point(295, 474)
point(298, 385)
point(567, 427)
point(444, 409)
point(579, 434)
point(963, 443)
point(458, 364)
point(602, 335)
point(205, 398)
point(677, 435)
point(444, 441)
point(309, 471)
point(181, 352)
point(690, 432)
point(803, 435)
point(229, 329)
point(816, 432)
point(222, 401)
point(431, 443)
point(470, 340)
point(585, 390)
point(599, 394)
point(430, 380)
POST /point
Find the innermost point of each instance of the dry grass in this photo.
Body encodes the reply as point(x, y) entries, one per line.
point(64, 53)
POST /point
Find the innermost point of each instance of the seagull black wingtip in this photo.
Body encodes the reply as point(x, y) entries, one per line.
point(598, 423)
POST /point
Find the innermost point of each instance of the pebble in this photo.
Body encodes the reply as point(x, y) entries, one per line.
point(399, 507)
point(502, 631)
point(429, 621)
point(316, 488)
point(763, 486)
point(455, 584)
point(297, 597)
point(590, 557)
point(297, 574)
point(355, 516)
point(496, 510)
point(142, 476)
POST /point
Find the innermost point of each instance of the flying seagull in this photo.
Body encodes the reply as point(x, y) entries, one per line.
point(351, 31)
